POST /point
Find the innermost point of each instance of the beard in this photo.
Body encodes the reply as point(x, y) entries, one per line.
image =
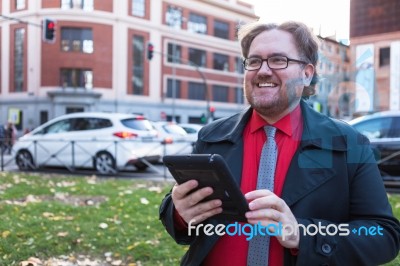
point(276, 104)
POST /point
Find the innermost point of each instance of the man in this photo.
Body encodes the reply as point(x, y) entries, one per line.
point(325, 175)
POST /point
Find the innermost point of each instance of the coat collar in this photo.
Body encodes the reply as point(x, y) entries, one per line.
point(318, 131)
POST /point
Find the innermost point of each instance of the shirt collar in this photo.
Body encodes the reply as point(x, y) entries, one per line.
point(287, 124)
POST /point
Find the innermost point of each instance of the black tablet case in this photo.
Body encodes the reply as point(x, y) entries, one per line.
point(211, 170)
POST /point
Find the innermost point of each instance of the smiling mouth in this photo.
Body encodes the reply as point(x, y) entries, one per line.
point(267, 85)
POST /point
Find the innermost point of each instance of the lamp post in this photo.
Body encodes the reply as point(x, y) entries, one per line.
point(173, 80)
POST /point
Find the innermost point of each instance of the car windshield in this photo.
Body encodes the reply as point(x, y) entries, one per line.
point(138, 124)
point(375, 128)
point(174, 129)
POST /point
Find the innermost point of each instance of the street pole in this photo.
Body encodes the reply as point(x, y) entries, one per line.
point(173, 80)
point(197, 68)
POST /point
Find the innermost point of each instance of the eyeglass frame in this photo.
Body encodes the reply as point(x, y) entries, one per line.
point(266, 60)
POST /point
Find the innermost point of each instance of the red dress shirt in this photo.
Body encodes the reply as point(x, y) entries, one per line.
point(232, 250)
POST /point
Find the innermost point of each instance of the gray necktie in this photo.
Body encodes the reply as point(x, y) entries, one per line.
point(259, 245)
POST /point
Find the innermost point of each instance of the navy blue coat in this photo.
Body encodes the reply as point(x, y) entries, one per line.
point(332, 179)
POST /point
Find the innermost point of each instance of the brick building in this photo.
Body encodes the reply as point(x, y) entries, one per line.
point(98, 61)
point(375, 50)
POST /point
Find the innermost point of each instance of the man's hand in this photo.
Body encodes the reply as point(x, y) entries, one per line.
point(189, 205)
point(267, 208)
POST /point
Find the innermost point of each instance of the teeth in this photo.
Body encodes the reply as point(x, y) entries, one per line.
point(266, 84)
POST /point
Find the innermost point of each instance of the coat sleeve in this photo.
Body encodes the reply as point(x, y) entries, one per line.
point(372, 234)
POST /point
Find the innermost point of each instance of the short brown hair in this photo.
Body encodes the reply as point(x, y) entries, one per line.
point(306, 42)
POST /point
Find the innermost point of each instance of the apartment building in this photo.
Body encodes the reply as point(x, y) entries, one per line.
point(375, 49)
point(99, 59)
point(334, 87)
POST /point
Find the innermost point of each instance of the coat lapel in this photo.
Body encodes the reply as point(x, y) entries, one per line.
point(306, 174)
point(312, 164)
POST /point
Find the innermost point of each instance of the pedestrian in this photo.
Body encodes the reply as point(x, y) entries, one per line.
point(321, 179)
point(2, 138)
point(11, 136)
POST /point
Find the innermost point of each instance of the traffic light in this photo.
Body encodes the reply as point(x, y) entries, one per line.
point(150, 51)
point(203, 118)
point(212, 111)
point(49, 27)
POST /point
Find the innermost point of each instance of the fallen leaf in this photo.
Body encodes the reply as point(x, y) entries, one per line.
point(155, 189)
point(62, 234)
point(144, 201)
point(116, 262)
point(103, 226)
point(5, 234)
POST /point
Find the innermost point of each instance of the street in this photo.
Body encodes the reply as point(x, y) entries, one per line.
point(155, 172)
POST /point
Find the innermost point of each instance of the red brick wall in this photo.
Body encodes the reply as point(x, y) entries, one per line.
point(368, 17)
point(104, 5)
point(146, 37)
point(100, 61)
point(13, 27)
point(51, 3)
point(13, 4)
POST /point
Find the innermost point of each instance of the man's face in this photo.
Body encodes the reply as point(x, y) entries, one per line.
point(275, 92)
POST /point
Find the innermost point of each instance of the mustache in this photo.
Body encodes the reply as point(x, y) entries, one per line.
point(265, 79)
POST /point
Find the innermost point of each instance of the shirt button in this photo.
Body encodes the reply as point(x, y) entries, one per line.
point(326, 248)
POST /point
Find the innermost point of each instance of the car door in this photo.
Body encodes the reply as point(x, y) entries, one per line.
point(391, 148)
point(51, 145)
point(381, 132)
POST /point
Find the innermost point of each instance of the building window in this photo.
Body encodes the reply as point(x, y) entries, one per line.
point(138, 65)
point(19, 41)
point(76, 78)
point(220, 62)
point(170, 88)
point(197, 24)
point(87, 5)
point(221, 29)
point(220, 93)
point(197, 91)
point(239, 96)
point(66, 4)
point(198, 57)
point(20, 4)
point(138, 8)
point(178, 53)
point(384, 56)
point(173, 17)
point(239, 65)
point(76, 40)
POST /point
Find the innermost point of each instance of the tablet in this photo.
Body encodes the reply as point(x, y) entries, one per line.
point(211, 170)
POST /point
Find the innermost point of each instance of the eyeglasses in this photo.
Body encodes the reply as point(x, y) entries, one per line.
point(273, 62)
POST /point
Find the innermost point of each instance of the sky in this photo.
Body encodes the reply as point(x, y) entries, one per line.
point(326, 17)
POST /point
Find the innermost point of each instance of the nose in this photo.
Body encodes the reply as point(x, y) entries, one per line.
point(264, 67)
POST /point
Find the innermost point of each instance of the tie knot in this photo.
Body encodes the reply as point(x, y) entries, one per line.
point(270, 131)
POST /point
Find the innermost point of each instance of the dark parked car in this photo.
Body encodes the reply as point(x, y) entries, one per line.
point(383, 130)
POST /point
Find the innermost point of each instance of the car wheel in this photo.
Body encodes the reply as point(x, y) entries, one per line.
point(104, 163)
point(24, 160)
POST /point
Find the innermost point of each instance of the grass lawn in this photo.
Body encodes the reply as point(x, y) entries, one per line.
point(99, 221)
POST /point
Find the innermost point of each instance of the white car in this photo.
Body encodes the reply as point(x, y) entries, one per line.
point(192, 131)
point(173, 137)
point(107, 142)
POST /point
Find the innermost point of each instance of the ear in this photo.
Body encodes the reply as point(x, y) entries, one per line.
point(308, 74)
